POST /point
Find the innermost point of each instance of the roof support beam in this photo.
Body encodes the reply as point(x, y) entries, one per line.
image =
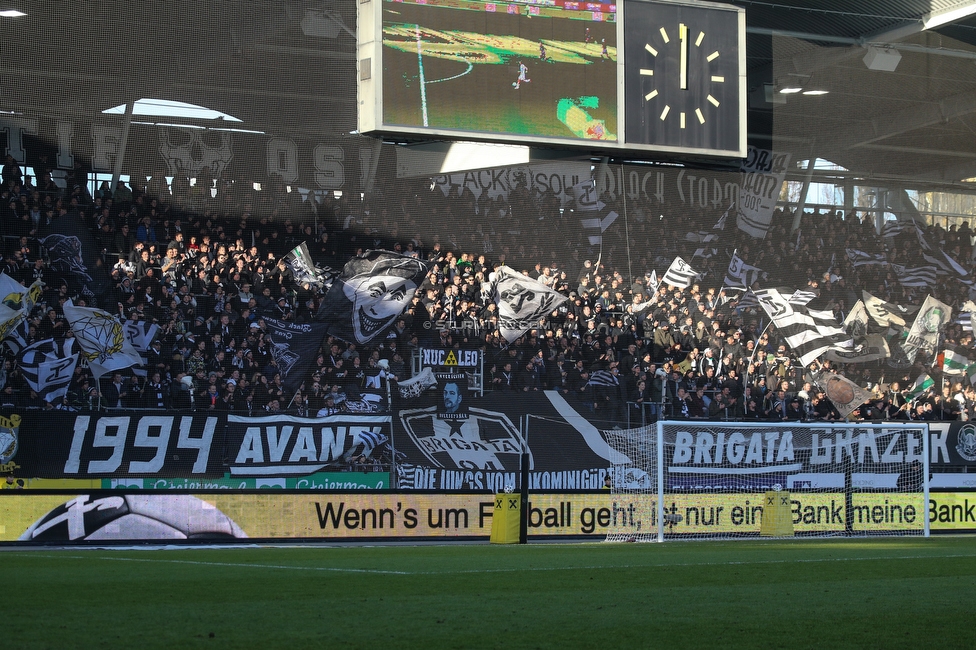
point(909, 119)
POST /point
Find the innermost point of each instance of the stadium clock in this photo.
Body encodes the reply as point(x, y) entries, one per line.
point(682, 75)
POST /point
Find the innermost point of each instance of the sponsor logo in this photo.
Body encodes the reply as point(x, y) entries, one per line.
point(9, 438)
point(966, 442)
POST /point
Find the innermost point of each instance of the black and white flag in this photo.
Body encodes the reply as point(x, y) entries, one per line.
point(293, 347)
point(801, 297)
point(705, 237)
point(588, 200)
point(933, 254)
point(680, 274)
point(929, 323)
point(919, 276)
point(299, 260)
point(370, 294)
point(887, 313)
point(587, 197)
point(740, 274)
point(894, 228)
point(522, 302)
point(809, 332)
point(861, 258)
point(101, 338)
point(141, 335)
point(762, 173)
point(48, 367)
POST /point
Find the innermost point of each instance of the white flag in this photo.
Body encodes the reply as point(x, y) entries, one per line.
point(522, 302)
point(762, 173)
point(101, 338)
point(741, 274)
point(844, 394)
point(932, 318)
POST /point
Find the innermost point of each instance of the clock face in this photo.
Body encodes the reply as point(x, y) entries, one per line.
point(681, 81)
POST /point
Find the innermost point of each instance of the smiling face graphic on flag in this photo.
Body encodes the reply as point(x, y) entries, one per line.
point(374, 289)
point(377, 300)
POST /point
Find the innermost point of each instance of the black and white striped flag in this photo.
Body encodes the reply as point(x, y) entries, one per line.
point(919, 276)
point(861, 258)
point(801, 297)
point(945, 265)
point(809, 332)
point(894, 228)
point(747, 300)
point(741, 274)
point(933, 254)
point(603, 378)
point(48, 367)
point(680, 274)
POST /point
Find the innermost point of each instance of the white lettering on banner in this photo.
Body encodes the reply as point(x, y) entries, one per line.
point(762, 175)
point(556, 177)
point(900, 448)
point(16, 128)
point(691, 190)
point(708, 449)
point(151, 432)
point(329, 171)
point(441, 357)
point(270, 444)
point(283, 159)
point(66, 131)
point(105, 146)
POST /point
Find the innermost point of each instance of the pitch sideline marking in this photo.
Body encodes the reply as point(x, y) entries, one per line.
point(512, 570)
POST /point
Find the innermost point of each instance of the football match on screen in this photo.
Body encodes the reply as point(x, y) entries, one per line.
point(534, 68)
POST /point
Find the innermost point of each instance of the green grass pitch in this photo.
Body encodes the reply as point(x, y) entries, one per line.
point(895, 592)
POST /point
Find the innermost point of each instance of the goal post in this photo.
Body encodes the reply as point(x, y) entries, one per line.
point(725, 480)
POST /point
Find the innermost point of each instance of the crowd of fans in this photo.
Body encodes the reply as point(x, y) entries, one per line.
point(203, 260)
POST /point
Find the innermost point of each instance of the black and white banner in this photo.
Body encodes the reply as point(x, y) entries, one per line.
point(284, 445)
point(566, 450)
point(293, 347)
point(69, 445)
point(482, 451)
point(761, 177)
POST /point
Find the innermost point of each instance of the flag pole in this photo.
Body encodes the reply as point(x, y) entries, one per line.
point(751, 358)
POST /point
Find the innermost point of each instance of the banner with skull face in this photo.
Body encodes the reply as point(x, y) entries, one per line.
point(522, 302)
point(372, 291)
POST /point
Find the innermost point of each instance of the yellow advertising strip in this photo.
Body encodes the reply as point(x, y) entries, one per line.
point(352, 516)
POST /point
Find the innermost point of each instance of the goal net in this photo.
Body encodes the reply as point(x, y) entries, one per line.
point(725, 480)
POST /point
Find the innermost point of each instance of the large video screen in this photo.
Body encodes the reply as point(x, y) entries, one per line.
point(660, 75)
point(544, 68)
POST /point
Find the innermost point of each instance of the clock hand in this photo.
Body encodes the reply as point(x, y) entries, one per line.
point(683, 36)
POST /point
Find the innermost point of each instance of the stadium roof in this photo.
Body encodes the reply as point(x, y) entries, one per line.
point(288, 67)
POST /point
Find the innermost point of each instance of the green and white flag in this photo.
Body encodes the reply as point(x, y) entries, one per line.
point(955, 360)
point(971, 373)
point(922, 384)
